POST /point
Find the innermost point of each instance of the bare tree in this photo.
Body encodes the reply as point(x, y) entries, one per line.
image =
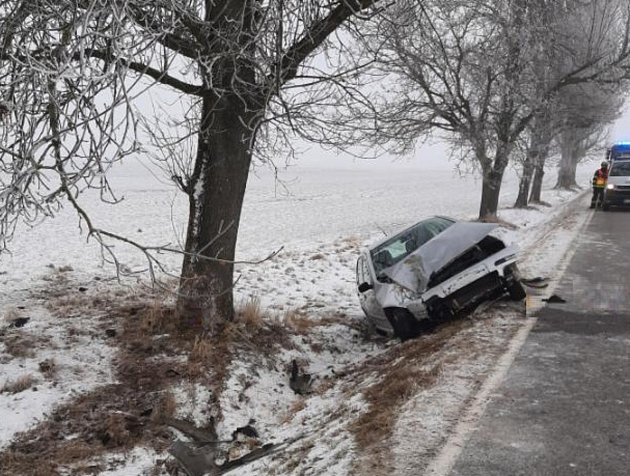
point(468, 68)
point(588, 32)
point(586, 111)
point(71, 72)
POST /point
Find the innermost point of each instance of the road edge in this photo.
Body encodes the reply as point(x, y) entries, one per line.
point(447, 456)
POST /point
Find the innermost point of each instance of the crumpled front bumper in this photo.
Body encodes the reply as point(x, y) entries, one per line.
point(395, 295)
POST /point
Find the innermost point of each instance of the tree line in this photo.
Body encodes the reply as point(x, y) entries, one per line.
point(237, 81)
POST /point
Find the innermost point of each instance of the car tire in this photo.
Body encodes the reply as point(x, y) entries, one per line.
point(402, 321)
point(605, 207)
point(516, 291)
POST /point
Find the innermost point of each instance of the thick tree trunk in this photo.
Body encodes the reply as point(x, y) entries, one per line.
point(538, 144)
point(490, 190)
point(216, 192)
point(566, 176)
point(493, 171)
point(534, 167)
point(539, 174)
point(569, 151)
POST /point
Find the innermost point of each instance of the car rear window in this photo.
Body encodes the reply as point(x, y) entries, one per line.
point(401, 245)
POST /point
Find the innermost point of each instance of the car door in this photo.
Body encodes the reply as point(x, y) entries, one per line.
point(367, 298)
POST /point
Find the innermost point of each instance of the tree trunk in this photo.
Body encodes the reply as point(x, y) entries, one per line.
point(490, 190)
point(566, 176)
point(537, 145)
point(539, 174)
point(526, 180)
point(569, 146)
point(216, 193)
point(493, 171)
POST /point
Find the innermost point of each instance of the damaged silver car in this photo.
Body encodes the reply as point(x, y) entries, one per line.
point(434, 269)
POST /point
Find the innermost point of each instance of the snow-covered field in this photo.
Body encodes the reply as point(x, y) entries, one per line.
point(68, 347)
point(309, 207)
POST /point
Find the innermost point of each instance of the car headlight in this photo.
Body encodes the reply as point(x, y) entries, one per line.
point(610, 186)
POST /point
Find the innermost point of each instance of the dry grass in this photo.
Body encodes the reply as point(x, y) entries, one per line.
point(20, 345)
point(116, 433)
point(19, 385)
point(202, 350)
point(250, 313)
point(404, 369)
point(297, 321)
point(296, 407)
point(386, 398)
point(48, 367)
point(68, 305)
point(350, 243)
point(118, 415)
point(157, 318)
point(165, 407)
point(14, 463)
point(112, 416)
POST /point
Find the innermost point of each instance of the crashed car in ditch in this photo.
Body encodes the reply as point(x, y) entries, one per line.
point(434, 269)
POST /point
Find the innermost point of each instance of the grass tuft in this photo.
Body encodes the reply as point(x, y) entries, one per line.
point(48, 367)
point(297, 321)
point(157, 318)
point(165, 407)
point(20, 345)
point(19, 385)
point(250, 313)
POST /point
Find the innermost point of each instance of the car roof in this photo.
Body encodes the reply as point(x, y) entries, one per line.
point(401, 232)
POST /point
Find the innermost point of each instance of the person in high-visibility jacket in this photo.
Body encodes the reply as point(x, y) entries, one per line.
point(599, 184)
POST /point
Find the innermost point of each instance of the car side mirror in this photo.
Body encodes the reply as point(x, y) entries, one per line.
point(365, 287)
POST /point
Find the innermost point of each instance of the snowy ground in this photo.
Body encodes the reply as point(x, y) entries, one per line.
point(69, 347)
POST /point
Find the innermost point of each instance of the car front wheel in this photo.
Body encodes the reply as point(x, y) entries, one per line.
point(402, 321)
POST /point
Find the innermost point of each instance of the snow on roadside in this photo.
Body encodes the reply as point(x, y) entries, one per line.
point(64, 356)
point(139, 461)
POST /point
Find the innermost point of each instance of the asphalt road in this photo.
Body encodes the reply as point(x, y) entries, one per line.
point(564, 407)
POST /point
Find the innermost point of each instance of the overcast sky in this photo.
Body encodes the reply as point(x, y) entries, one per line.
point(428, 157)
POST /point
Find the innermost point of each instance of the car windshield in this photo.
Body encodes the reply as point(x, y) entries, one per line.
point(620, 169)
point(398, 247)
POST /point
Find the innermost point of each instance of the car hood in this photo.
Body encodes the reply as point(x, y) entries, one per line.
point(414, 272)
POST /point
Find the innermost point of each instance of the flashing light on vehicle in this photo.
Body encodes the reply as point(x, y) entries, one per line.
point(610, 186)
point(619, 150)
